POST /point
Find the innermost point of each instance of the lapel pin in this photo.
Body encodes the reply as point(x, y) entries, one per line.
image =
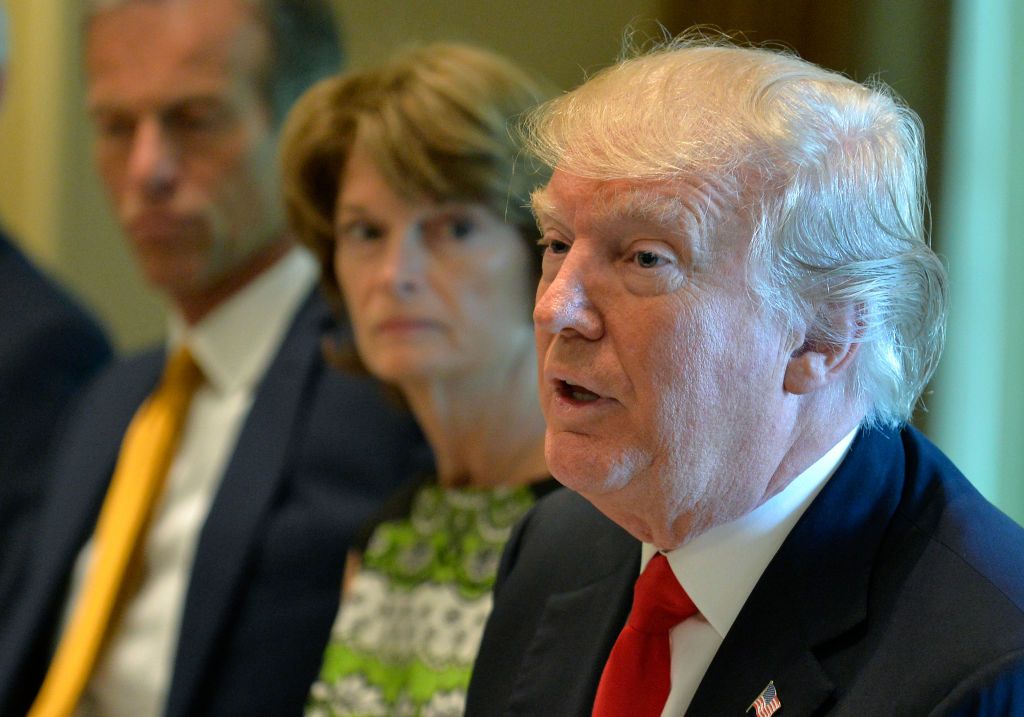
point(767, 703)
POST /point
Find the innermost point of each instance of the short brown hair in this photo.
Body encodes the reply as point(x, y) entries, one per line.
point(435, 120)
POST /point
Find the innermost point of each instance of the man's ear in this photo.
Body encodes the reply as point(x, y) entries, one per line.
point(818, 362)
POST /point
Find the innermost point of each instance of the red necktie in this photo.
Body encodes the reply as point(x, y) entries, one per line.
point(637, 678)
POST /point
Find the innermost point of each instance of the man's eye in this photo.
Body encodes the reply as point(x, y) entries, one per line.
point(115, 127)
point(648, 259)
point(198, 118)
point(191, 122)
point(554, 246)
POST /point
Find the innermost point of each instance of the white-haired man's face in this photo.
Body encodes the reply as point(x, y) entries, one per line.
point(662, 381)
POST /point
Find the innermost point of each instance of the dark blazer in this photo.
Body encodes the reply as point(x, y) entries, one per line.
point(899, 592)
point(316, 454)
point(49, 348)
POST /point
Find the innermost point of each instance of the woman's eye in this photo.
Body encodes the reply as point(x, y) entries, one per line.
point(461, 227)
point(359, 231)
point(649, 259)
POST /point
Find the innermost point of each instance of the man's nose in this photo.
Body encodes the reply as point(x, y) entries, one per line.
point(565, 303)
point(153, 162)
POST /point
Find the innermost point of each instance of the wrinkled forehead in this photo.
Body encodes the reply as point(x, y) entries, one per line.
point(168, 44)
point(693, 206)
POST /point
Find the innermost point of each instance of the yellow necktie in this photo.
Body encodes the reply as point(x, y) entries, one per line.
point(148, 447)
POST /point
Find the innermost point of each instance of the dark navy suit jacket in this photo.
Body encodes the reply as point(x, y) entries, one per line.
point(899, 592)
point(317, 453)
point(49, 348)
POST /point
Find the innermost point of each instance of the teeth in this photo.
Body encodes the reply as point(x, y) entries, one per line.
point(578, 393)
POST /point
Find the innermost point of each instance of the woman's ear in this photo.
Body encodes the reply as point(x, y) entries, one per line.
point(818, 362)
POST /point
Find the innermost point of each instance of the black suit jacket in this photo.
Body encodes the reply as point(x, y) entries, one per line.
point(49, 348)
point(899, 592)
point(317, 452)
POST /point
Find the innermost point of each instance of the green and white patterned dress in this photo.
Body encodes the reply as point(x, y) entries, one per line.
point(408, 631)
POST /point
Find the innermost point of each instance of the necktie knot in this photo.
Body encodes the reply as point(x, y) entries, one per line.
point(659, 601)
point(181, 373)
point(636, 679)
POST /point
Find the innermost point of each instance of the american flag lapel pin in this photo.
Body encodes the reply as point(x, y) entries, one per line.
point(767, 703)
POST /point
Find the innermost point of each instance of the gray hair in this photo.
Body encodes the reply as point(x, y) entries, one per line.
point(304, 42)
point(830, 171)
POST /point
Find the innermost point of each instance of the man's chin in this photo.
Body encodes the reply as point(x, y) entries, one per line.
point(579, 465)
point(172, 281)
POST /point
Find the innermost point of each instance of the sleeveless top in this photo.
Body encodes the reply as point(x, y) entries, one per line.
point(409, 628)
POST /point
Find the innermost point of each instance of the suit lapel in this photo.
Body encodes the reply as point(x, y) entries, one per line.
point(572, 641)
point(813, 594)
point(83, 475)
point(87, 464)
point(233, 526)
point(80, 476)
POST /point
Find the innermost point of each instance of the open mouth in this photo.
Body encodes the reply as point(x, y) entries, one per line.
point(575, 393)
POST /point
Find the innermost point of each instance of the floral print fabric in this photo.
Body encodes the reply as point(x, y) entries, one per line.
point(410, 626)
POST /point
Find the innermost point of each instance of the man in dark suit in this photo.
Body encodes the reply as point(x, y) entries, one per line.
point(49, 348)
point(737, 314)
point(234, 583)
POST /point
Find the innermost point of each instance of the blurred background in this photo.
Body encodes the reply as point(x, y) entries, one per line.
point(951, 60)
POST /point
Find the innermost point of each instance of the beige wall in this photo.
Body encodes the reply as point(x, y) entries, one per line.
point(558, 40)
point(52, 200)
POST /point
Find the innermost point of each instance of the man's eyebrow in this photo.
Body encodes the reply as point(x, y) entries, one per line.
point(687, 215)
point(100, 105)
point(542, 205)
point(692, 213)
point(645, 205)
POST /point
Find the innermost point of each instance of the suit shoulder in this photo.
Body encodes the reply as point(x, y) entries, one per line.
point(562, 529)
point(961, 525)
point(112, 396)
point(38, 315)
point(997, 688)
point(569, 517)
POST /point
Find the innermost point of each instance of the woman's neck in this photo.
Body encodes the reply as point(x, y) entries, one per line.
point(485, 429)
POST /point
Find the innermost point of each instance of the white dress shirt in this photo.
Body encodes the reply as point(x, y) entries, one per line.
point(719, 568)
point(233, 346)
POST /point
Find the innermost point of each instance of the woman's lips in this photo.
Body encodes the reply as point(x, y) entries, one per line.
point(406, 325)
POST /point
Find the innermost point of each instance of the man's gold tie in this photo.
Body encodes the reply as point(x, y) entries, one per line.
point(148, 447)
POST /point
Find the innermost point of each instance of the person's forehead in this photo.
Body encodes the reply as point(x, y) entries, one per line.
point(175, 48)
point(570, 199)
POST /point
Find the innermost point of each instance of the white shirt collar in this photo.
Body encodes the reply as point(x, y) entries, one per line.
point(746, 545)
point(234, 343)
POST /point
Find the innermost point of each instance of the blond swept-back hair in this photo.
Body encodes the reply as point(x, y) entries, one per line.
point(434, 119)
point(829, 171)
